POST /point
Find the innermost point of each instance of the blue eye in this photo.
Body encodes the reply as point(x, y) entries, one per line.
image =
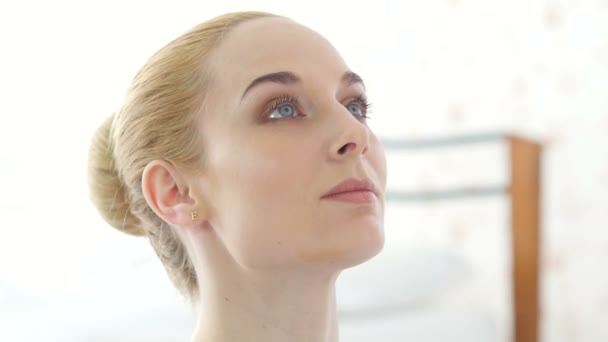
point(359, 107)
point(285, 106)
point(355, 108)
point(283, 110)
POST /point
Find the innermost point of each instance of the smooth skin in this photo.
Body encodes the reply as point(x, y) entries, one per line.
point(267, 248)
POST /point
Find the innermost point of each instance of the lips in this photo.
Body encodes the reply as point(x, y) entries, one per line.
point(351, 185)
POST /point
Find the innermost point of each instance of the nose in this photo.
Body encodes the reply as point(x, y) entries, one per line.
point(352, 138)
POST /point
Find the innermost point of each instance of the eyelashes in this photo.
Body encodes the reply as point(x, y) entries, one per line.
point(365, 104)
point(283, 99)
point(361, 109)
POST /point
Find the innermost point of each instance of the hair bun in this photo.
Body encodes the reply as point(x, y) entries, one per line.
point(107, 191)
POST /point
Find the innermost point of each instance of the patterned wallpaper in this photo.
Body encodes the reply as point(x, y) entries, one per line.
point(535, 68)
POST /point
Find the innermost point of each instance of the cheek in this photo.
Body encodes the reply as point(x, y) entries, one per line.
point(264, 189)
point(378, 161)
point(273, 174)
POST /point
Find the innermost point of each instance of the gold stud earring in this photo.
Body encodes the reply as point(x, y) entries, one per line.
point(194, 216)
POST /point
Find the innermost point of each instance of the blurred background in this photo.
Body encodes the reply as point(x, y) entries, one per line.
point(440, 75)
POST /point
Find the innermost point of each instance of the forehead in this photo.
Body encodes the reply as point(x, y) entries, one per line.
point(267, 45)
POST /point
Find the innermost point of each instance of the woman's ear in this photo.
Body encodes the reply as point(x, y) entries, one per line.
point(168, 194)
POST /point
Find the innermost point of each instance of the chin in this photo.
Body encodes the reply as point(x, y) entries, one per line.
point(365, 250)
point(352, 250)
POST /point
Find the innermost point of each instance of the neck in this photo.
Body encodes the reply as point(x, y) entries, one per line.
point(273, 308)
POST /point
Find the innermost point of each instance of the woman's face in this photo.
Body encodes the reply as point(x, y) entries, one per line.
point(275, 146)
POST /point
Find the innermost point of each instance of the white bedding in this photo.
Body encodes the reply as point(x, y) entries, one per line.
point(394, 297)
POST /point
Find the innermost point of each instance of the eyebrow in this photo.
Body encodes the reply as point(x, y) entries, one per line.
point(287, 77)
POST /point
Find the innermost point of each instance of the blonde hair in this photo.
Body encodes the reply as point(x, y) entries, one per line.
point(157, 121)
